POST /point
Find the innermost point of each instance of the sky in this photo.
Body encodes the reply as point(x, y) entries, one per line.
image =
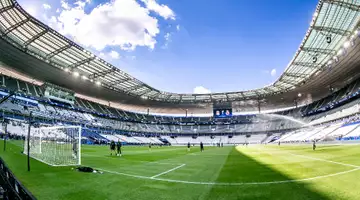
point(185, 46)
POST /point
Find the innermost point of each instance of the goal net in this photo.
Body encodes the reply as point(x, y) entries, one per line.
point(56, 146)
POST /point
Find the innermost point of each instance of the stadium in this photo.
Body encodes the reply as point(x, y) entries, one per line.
point(66, 112)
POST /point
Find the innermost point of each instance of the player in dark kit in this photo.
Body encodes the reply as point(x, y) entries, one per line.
point(112, 147)
point(118, 148)
point(314, 146)
point(149, 146)
point(201, 147)
point(188, 146)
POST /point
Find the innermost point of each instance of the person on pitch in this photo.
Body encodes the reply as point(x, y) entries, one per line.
point(188, 146)
point(112, 147)
point(201, 147)
point(149, 146)
point(314, 145)
point(118, 148)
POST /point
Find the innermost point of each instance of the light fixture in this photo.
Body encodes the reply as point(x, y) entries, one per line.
point(299, 95)
point(98, 83)
point(66, 69)
point(84, 77)
point(340, 52)
point(347, 44)
point(76, 74)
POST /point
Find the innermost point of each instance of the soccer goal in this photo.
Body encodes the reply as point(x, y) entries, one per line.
point(55, 146)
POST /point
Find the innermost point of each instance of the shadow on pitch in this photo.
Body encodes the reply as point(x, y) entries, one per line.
point(241, 168)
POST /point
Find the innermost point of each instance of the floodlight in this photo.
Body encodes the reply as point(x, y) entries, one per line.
point(98, 83)
point(76, 74)
point(84, 77)
point(340, 52)
point(347, 44)
point(299, 95)
point(66, 69)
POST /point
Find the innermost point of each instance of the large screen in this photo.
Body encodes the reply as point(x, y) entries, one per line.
point(222, 113)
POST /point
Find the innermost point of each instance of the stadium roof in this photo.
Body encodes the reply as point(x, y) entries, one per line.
point(333, 25)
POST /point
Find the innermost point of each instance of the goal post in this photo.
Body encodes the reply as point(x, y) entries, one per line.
point(55, 145)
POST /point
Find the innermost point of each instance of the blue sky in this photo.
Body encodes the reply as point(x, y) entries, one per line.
point(178, 45)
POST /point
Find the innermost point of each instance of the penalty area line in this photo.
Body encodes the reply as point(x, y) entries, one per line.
point(170, 170)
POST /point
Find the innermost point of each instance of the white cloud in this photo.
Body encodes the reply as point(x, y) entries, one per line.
point(114, 55)
point(46, 6)
point(162, 10)
point(65, 5)
point(201, 90)
point(102, 55)
point(178, 27)
point(122, 23)
point(273, 72)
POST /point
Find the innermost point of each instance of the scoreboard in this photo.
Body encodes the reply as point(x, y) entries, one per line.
point(222, 113)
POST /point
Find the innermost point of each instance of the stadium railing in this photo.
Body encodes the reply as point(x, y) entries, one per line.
point(13, 189)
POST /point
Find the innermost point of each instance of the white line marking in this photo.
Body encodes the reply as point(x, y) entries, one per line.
point(170, 170)
point(230, 184)
point(312, 158)
point(243, 183)
point(319, 159)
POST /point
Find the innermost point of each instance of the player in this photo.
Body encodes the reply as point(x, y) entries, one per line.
point(112, 147)
point(74, 154)
point(188, 145)
point(222, 144)
point(118, 148)
point(201, 147)
point(279, 143)
point(150, 146)
point(314, 145)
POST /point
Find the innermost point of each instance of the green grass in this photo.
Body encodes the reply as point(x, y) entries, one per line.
point(254, 172)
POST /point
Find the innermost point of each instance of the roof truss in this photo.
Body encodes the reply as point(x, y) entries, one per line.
point(81, 62)
point(353, 7)
point(57, 51)
point(332, 30)
point(318, 50)
point(35, 37)
point(102, 73)
point(15, 26)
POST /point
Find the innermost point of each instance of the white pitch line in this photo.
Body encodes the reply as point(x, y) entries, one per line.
point(230, 184)
point(314, 158)
point(170, 170)
point(329, 161)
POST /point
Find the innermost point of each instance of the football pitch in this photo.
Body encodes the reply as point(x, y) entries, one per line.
point(253, 172)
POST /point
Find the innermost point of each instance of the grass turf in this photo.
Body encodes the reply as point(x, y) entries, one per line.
point(254, 172)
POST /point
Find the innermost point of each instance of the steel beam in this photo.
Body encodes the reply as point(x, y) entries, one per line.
point(297, 75)
point(117, 82)
point(102, 73)
point(145, 92)
point(353, 7)
point(305, 64)
point(35, 37)
point(4, 9)
point(318, 50)
point(335, 31)
point(81, 62)
point(287, 82)
point(135, 87)
point(57, 51)
point(15, 26)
